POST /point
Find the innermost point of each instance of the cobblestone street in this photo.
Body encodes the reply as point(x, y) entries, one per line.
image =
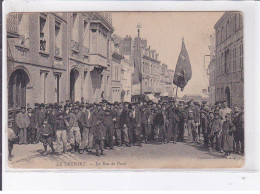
point(157, 155)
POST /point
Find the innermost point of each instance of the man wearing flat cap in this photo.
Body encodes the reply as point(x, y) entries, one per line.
point(173, 119)
point(22, 122)
point(32, 128)
point(87, 121)
point(238, 120)
point(74, 131)
point(41, 115)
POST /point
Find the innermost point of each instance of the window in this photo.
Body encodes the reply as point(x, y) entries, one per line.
point(241, 57)
point(75, 32)
point(108, 48)
point(234, 59)
point(58, 39)
point(228, 31)
point(23, 29)
point(85, 34)
point(237, 21)
point(241, 20)
point(43, 76)
point(44, 33)
point(57, 88)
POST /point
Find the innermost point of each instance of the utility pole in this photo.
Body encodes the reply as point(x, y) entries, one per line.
point(139, 57)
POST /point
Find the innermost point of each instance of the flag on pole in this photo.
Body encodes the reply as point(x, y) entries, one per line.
point(183, 72)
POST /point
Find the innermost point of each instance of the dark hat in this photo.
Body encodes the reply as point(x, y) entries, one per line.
point(216, 112)
point(211, 112)
point(203, 112)
point(81, 106)
point(60, 114)
point(196, 103)
point(36, 104)
point(47, 106)
point(42, 105)
point(59, 106)
point(89, 106)
point(116, 103)
point(107, 110)
point(29, 108)
point(75, 107)
point(204, 102)
point(77, 102)
point(67, 101)
point(104, 101)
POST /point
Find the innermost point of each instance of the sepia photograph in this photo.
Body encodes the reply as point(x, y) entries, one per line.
point(125, 90)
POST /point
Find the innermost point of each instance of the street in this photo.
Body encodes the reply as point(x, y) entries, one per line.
point(180, 155)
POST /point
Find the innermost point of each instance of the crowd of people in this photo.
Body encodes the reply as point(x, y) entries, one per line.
point(95, 127)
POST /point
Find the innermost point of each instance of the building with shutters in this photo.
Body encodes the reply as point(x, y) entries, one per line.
point(227, 76)
point(37, 59)
point(53, 57)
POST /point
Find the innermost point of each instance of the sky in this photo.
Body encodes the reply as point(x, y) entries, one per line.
point(164, 32)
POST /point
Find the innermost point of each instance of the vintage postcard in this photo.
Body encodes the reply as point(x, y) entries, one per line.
point(125, 90)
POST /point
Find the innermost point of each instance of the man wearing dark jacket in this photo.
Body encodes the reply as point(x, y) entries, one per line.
point(32, 126)
point(135, 125)
point(124, 124)
point(173, 119)
point(87, 121)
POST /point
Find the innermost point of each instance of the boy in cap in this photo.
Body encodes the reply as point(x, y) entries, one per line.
point(61, 134)
point(228, 129)
point(216, 130)
point(22, 121)
point(46, 136)
point(99, 137)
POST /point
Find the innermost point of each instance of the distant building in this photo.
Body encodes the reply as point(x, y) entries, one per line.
point(166, 81)
point(126, 78)
point(229, 60)
point(116, 66)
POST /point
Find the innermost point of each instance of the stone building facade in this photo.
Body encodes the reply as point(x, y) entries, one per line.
point(37, 59)
point(53, 57)
point(229, 59)
point(90, 56)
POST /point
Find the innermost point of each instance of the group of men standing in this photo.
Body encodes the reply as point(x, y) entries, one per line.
point(103, 125)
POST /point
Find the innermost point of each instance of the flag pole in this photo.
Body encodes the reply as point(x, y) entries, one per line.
point(176, 92)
